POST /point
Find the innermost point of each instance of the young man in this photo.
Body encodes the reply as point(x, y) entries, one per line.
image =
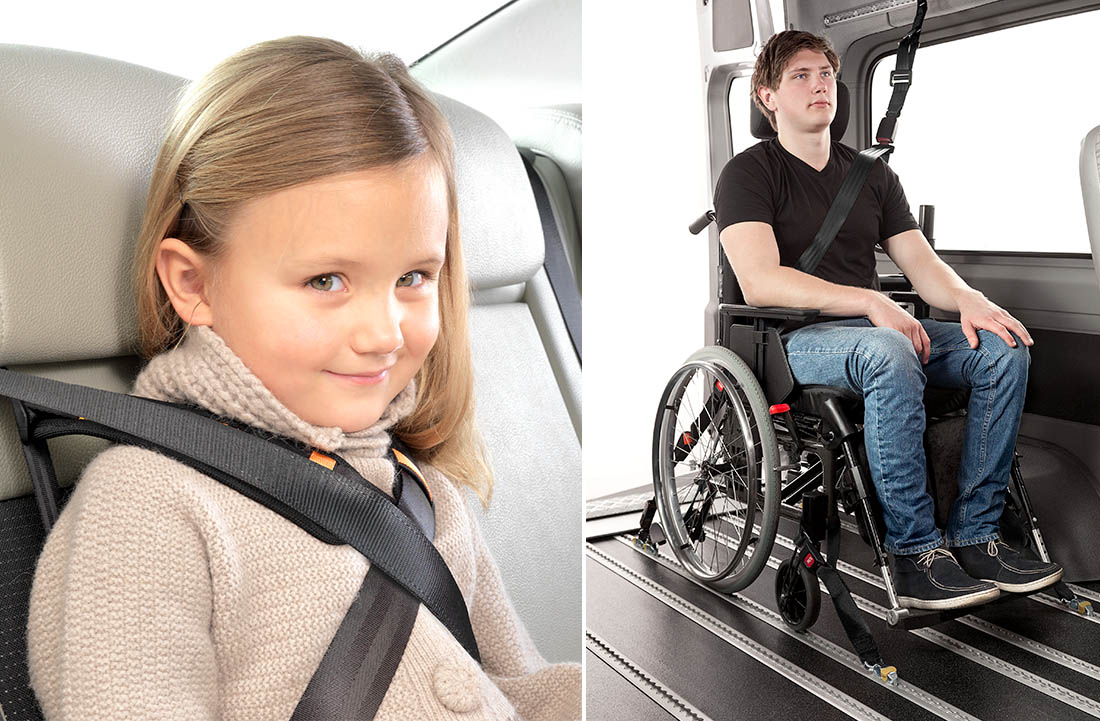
point(770, 202)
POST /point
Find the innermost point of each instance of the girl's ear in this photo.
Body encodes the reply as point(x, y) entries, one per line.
point(184, 274)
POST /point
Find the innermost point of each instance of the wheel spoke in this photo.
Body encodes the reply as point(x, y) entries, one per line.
point(711, 441)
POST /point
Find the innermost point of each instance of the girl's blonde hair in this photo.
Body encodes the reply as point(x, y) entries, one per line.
point(290, 111)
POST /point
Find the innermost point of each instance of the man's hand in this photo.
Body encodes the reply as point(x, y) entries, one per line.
point(885, 313)
point(976, 311)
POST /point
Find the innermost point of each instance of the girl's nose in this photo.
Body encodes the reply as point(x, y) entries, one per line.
point(377, 329)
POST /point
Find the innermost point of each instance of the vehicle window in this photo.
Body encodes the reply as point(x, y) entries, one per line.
point(225, 28)
point(991, 134)
point(739, 114)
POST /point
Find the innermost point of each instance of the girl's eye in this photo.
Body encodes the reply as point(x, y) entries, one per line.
point(411, 280)
point(326, 282)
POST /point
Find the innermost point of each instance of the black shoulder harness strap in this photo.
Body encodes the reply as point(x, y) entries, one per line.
point(329, 505)
point(842, 205)
point(901, 78)
point(554, 260)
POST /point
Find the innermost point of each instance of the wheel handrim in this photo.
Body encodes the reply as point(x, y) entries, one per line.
point(715, 483)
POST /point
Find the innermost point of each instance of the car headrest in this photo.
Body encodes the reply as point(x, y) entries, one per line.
point(555, 132)
point(79, 135)
point(762, 129)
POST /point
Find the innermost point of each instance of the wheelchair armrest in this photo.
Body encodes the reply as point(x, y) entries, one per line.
point(921, 309)
point(900, 297)
point(752, 311)
point(894, 282)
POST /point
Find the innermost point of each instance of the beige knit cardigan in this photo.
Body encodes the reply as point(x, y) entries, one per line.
point(163, 594)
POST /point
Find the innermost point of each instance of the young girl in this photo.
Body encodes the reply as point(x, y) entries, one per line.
point(299, 270)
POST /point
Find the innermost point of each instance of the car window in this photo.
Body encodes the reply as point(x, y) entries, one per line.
point(188, 39)
point(991, 134)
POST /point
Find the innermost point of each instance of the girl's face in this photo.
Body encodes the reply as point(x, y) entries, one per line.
point(328, 291)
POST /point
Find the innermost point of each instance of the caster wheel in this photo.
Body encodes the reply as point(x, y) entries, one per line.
point(797, 595)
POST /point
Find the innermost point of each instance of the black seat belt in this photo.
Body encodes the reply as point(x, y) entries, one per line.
point(362, 658)
point(561, 277)
point(841, 206)
point(327, 504)
point(901, 77)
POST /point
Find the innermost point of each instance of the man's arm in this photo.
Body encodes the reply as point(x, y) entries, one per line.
point(754, 255)
point(940, 286)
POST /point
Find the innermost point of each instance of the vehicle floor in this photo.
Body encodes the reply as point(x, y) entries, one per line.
point(661, 645)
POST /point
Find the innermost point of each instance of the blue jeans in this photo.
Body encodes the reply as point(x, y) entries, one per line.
point(882, 365)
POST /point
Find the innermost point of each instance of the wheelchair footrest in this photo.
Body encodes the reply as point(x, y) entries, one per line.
point(911, 618)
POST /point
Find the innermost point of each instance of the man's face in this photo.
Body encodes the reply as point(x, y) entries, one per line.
point(805, 101)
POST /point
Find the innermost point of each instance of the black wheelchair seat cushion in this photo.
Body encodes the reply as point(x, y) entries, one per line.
point(939, 401)
point(811, 399)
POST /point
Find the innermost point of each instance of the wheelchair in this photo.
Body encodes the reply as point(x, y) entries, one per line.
point(736, 443)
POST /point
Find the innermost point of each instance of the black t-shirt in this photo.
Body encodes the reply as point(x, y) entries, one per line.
point(768, 184)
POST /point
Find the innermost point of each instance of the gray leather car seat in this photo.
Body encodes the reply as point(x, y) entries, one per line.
point(1090, 191)
point(78, 137)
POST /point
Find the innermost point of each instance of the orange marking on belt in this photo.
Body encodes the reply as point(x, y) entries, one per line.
point(322, 460)
point(407, 462)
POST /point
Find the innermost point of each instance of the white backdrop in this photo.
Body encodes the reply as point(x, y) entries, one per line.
point(645, 177)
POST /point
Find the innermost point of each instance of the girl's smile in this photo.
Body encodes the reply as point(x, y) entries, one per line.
point(362, 378)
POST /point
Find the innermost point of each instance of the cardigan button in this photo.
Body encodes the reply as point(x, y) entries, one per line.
point(457, 685)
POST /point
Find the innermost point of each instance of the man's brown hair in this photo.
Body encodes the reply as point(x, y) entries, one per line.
point(777, 53)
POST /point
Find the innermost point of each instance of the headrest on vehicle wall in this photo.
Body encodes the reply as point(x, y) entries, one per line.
point(79, 135)
point(762, 129)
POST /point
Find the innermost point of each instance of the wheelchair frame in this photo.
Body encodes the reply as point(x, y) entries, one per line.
point(746, 376)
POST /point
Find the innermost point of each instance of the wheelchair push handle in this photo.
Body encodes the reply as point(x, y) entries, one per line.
point(701, 222)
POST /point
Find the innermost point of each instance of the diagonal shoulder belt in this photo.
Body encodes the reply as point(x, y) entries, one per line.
point(329, 501)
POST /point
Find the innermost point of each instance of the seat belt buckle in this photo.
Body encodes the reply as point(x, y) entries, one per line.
point(901, 77)
point(886, 130)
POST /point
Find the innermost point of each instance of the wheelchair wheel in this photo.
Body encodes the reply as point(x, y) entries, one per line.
point(714, 470)
point(797, 595)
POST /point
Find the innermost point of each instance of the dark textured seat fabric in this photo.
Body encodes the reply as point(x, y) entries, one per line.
point(21, 538)
point(937, 401)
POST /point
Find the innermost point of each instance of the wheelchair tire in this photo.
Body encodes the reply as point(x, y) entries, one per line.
point(715, 476)
point(797, 595)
